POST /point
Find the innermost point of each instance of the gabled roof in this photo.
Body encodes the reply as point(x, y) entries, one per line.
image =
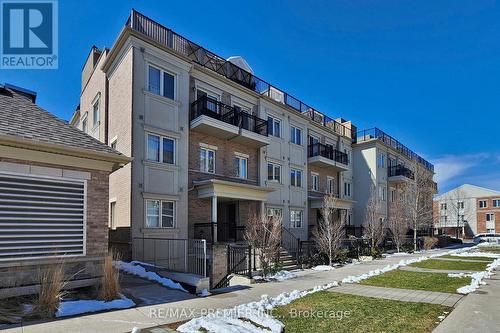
point(469, 191)
point(22, 119)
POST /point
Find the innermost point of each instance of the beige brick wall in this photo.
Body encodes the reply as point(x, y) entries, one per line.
point(323, 173)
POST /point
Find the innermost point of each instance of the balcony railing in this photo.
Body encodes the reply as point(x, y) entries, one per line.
point(327, 151)
point(210, 60)
point(375, 133)
point(214, 109)
point(400, 170)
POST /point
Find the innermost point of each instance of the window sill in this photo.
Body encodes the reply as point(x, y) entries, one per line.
point(161, 98)
point(159, 165)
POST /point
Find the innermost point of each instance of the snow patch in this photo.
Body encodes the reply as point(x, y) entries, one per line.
point(71, 308)
point(204, 293)
point(477, 254)
point(478, 277)
point(135, 268)
point(322, 268)
point(279, 276)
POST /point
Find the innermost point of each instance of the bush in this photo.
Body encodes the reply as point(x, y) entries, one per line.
point(110, 282)
point(430, 242)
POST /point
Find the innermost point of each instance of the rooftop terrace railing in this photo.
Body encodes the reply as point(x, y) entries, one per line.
point(375, 133)
point(210, 60)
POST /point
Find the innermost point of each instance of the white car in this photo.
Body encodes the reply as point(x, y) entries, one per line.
point(487, 237)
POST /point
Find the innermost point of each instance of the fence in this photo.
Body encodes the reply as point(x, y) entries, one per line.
point(180, 255)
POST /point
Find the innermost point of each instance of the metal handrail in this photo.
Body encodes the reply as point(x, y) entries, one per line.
point(400, 170)
point(327, 151)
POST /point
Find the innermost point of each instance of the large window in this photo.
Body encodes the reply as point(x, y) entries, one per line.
point(314, 181)
point(95, 113)
point(347, 189)
point(274, 172)
point(496, 203)
point(207, 160)
point(295, 218)
point(274, 127)
point(161, 149)
point(381, 161)
point(240, 165)
point(160, 214)
point(330, 185)
point(161, 83)
point(490, 217)
point(296, 178)
point(483, 204)
point(295, 135)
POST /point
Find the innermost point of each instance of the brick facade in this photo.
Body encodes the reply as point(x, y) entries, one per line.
point(481, 214)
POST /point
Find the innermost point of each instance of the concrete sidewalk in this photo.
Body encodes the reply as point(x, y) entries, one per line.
point(478, 312)
point(161, 314)
point(396, 294)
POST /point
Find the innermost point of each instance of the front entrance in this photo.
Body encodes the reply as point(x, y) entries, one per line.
point(227, 217)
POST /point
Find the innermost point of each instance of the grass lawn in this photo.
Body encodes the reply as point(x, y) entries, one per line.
point(357, 314)
point(451, 265)
point(449, 256)
point(417, 281)
point(494, 249)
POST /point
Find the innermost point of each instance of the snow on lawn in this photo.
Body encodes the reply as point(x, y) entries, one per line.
point(241, 317)
point(135, 268)
point(477, 278)
point(71, 308)
point(279, 276)
point(487, 244)
point(397, 254)
point(322, 268)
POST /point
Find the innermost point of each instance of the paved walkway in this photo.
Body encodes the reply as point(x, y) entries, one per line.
point(161, 314)
point(478, 312)
point(396, 294)
point(430, 270)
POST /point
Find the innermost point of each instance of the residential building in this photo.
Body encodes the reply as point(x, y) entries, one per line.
point(466, 211)
point(382, 167)
point(53, 197)
point(211, 142)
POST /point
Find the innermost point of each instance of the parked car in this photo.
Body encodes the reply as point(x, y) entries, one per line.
point(490, 238)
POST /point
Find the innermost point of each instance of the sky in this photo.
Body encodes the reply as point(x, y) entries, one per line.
point(426, 72)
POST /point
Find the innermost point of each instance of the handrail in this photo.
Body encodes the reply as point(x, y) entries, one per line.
point(212, 61)
point(400, 170)
point(327, 151)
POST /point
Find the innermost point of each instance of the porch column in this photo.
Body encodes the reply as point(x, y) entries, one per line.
point(263, 208)
point(214, 219)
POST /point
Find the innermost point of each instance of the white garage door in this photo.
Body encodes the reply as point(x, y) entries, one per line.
point(41, 217)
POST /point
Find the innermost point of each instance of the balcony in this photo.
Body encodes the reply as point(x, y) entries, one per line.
point(220, 120)
point(399, 173)
point(326, 156)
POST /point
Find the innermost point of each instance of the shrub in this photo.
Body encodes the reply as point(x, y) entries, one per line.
point(52, 282)
point(110, 282)
point(430, 242)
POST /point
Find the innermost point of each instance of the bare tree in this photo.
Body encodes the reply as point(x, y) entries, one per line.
point(419, 192)
point(398, 219)
point(458, 209)
point(330, 231)
point(264, 234)
point(373, 226)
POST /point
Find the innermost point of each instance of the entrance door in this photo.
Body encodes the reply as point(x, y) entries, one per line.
point(231, 220)
point(227, 215)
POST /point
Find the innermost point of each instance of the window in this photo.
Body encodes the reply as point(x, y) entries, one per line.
point(314, 181)
point(490, 217)
point(381, 161)
point(274, 172)
point(393, 195)
point(95, 113)
point(240, 165)
point(347, 189)
point(295, 135)
point(114, 143)
point(161, 83)
point(483, 204)
point(496, 203)
point(207, 160)
point(444, 206)
point(296, 177)
point(330, 185)
point(274, 212)
point(460, 205)
point(112, 215)
point(381, 193)
point(490, 231)
point(274, 127)
point(84, 125)
point(212, 100)
point(161, 149)
point(295, 218)
point(159, 214)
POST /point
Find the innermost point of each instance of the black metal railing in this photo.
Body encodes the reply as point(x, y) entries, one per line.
point(375, 133)
point(214, 109)
point(203, 57)
point(225, 232)
point(239, 261)
point(290, 243)
point(400, 170)
point(327, 151)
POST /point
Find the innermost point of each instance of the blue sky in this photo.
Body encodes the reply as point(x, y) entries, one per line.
point(426, 72)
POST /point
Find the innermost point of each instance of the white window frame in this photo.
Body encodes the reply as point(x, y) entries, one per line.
point(160, 147)
point(96, 114)
point(205, 167)
point(491, 217)
point(241, 158)
point(160, 214)
point(330, 185)
point(347, 188)
point(273, 178)
point(382, 193)
point(295, 135)
point(393, 194)
point(294, 222)
point(273, 120)
point(481, 203)
point(295, 177)
point(274, 211)
point(112, 214)
point(314, 181)
point(162, 71)
point(85, 123)
point(496, 203)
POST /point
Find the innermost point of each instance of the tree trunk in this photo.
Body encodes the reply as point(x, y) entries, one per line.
point(415, 238)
